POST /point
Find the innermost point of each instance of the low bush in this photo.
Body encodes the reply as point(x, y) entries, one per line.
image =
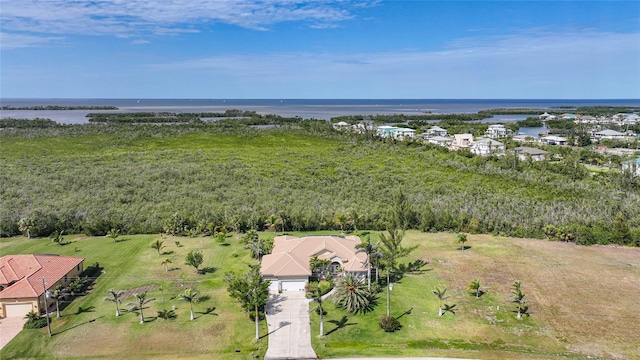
point(390, 324)
point(35, 323)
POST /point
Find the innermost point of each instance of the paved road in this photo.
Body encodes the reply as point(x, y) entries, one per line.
point(9, 328)
point(288, 321)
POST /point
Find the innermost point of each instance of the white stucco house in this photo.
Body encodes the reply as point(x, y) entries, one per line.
point(633, 166)
point(486, 147)
point(497, 131)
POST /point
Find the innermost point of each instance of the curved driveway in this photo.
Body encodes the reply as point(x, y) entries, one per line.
point(288, 322)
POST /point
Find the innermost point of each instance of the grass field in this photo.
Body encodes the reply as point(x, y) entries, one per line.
point(89, 329)
point(583, 303)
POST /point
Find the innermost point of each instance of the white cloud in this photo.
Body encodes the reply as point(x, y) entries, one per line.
point(13, 41)
point(140, 42)
point(126, 17)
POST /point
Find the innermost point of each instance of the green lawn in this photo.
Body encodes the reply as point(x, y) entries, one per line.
point(567, 318)
point(89, 329)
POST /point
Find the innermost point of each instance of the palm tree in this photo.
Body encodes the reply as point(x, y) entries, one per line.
point(158, 245)
point(371, 249)
point(440, 294)
point(272, 221)
point(113, 234)
point(354, 218)
point(141, 301)
point(462, 238)
point(190, 296)
point(316, 297)
point(341, 220)
point(474, 287)
point(351, 295)
point(166, 263)
point(57, 238)
point(115, 297)
point(320, 267)
point(518, 298)
point(59, 293)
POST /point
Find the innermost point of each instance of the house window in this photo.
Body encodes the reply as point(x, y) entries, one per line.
point(78, 268)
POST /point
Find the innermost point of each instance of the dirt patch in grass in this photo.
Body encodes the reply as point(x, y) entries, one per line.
point(138, 290)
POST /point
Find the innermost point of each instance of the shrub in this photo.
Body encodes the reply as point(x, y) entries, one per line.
point(35, 323)
point(390, 324)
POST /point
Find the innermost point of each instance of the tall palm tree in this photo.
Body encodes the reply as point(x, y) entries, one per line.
point(59, 293)
point(158, 245)
point(190, 296)
point(272, 221)
point(351, 295)
point(115, 296)
point(341, 220)
point(316, 297)
point(141, 301)
point(371, 249)
point(166, 263)
point(440, 294)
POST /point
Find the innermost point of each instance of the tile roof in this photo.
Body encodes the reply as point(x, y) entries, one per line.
point(26, 272)
point(290, 255)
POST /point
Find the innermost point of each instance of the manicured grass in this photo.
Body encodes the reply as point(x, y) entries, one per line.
point(89, 329)
point(576, 296)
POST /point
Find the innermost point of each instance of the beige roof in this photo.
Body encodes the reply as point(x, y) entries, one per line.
point(290, 255)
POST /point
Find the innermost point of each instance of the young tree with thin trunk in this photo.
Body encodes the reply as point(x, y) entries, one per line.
point(341, 220)
point(462, 238)
point(59, 293)
point(115, 296)
point(138, 305)
point(166, 263)
point(251, 290)
point(158, 245)
point(440, 294)
point(194, 258)
point(316, 296)
point(113, 234)
point(372, 250)
point(190, 296)
point(474, 288)
point(392, 250)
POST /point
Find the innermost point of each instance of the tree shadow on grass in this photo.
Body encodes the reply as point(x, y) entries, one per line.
point(208, 270)
point(408, 312)
point(75, 326)
point(340, 324)
point(84, 310)
point(208, 311)
point(167, 252)
point(463, 248)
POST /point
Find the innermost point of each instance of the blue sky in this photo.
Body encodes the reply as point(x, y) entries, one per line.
point(319, 49)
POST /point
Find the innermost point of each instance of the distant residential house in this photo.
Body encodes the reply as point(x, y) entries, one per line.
point(633, 166)
point(608, 134)
point(461, 141)
point(486, 147)
point(385, 130)
point(436, 131)
point(21, 277)
point(586, 119)
point(287, 267)
point(440, 140)
point(404, 133)
point(553, 140)
point(497, 131)
point(341, 125)
point(544, 115)
point(568, 116)
point(525, 153)
point(523, 138)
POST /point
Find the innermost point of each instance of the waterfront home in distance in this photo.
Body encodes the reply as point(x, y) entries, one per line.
point(525, 153)
point(21, 277)
point(553, 140)
point(608, 134)
point(497, 131)
point(632, 166)
point(486, 147)
point(287, 267)
point(461, 141)
point(436, 131)
point(395, 132)
point(440, 140)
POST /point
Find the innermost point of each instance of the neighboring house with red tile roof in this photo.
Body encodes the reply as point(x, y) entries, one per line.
point(21, 278)
point(287, 267)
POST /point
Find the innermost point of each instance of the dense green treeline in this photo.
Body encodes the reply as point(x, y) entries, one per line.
point(164, 117)
point(59, 107)
point(27, 123)
point(194, 177)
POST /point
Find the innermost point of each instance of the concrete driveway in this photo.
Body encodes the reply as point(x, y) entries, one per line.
point(288, 321)
point(9, 328)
